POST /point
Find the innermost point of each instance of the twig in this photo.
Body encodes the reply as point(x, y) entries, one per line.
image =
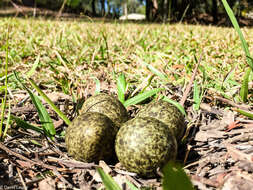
point(21, 179)
point(71, 163)
point(243, 107)
point(61, 9)
point(19, 10)
point(39, 163)
point(188, 88)
point(8, 151)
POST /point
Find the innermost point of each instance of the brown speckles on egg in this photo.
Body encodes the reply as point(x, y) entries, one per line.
point(90, 137)
point(144, 144)
point(167, 113)
point(107, 105)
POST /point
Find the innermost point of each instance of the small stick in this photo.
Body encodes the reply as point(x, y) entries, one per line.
point(188, 88)
point(21, 179)
point(55, 169)
point(243, 107)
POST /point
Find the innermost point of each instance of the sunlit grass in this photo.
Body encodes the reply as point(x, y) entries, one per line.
point(72, 53)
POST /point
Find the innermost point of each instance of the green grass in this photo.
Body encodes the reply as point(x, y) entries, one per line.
point(73, 51)
point(76, 57)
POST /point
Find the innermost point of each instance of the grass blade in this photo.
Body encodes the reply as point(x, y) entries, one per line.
point(54, 107)
point(7, 122)
point(45, 119)
point(131, 186)
point(121, 87)
point(3, 106)
point(238, 30)
point(108, 181)
point(245, 86)
point(97, 91)
point(145, 84)
point(175, 178)
point(140, 97)
point(155, 71)
point(196, 96)
point(245, 113)
point(25, 125)
point(33, 69)
point(178, 105)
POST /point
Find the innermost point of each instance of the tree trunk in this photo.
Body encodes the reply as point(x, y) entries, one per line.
point(166, 9)
point(102, 7)
point(125, 9)
point(148, 9)
point(154, 10)
point(214, 11)
point(108, 8)
point(93, 6)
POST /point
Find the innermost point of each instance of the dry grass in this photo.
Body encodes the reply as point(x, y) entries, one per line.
point(81, 49)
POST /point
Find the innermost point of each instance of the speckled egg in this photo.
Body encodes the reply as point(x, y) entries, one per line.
point(167, 113)
point(107, 105)
point(144, 144)
point(91, 137)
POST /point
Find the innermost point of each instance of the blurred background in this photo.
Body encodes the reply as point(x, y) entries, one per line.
point(196, 12)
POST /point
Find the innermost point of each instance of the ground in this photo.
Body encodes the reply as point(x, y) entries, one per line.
point(71, 59)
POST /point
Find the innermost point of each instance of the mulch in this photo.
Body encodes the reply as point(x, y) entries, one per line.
point(218, 153)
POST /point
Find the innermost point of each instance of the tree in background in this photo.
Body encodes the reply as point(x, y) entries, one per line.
point(155, 10)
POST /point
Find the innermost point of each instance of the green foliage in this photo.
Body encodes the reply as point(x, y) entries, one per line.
point(45, 119)
point(97, 90)
point(121, 87)
point(156, 71)
point(73, 3)
point(34, 67)
point(244, 88)
point(23, 124)
point(136, 99)
point(179, 106)
point(7, 122)
point(54, 107)
point(4, 100)
point(175, 178)
point(141, 97)
point(108, 181)
point(245, 113)
point(197, 96)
